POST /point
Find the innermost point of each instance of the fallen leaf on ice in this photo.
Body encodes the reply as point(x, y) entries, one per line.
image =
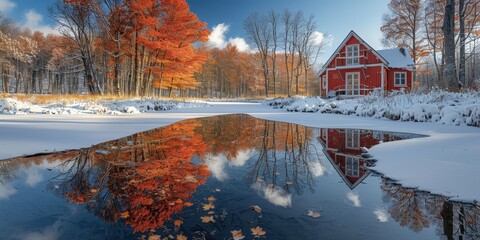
point(124, 214)
point(207, 219)
point(208, 206)
point(211, 212)
point(181, 237)
point(211, 199)
point(313, 214)
point(178, 223)
point(237, 235)
point(289, 183)
point(256, 208)
point(258, 231)
point(188, 204)
point(154, 237)
point(191, 178)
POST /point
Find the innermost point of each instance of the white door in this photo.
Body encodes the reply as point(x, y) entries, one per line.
point(352, 84)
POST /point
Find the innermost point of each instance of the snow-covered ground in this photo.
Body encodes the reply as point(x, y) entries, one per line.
point(435, 106)
point(116, 107)
point(446, 162)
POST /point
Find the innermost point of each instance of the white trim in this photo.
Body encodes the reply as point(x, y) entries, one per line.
point(395, 79)
point(383, 80)
point(357, 66)
point(352, 34)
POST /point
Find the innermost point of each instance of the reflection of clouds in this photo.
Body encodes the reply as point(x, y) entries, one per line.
point(6, 191)
point(276, 195)
point(216, 164)
point(317, 169)
point(354, 199)
point(382, 215)
point(33, 176)
point(48, 233)
point(241, 159)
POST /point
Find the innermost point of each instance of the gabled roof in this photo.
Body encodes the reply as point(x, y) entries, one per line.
point(397, 58)
point(350, 35)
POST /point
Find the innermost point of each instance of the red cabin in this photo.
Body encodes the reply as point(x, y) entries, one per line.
point(356, 69)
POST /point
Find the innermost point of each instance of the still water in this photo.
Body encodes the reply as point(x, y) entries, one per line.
point(210, 178)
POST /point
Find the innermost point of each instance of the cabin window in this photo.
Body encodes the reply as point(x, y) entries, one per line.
point(400, 79)
point(352, 54)
point(324, 82)
point(352, 166)
point(352, 138)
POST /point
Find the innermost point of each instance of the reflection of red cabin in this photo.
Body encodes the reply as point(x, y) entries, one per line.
point(356, 69)
point(343, 148)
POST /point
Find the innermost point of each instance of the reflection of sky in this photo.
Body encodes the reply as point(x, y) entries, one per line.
point(51, 232)
point(217, 164)
point(274, 194)
point(382, 215)
point(6, 191)
point(354, 199)
point(317, 169)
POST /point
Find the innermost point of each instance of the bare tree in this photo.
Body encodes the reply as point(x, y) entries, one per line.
point(258, 31)
point(76, 22)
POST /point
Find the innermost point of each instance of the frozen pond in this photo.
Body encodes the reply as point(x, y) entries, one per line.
point(204, 178)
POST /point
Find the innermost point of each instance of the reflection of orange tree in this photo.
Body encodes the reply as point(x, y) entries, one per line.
point(228, 134)
point(407, 206)
point(418, 210)
point(144, 178)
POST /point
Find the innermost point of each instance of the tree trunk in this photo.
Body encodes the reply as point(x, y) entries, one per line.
point(461, 64)
point(448, 29)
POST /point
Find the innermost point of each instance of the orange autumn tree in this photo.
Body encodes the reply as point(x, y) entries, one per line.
point(170, 32)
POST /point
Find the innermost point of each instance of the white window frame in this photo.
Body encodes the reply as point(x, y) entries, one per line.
point(352, 57)
point(324, 82)
point(352, 138)
point(351, 88)
point(352, 166)
point(325, 134)
point(400, 76)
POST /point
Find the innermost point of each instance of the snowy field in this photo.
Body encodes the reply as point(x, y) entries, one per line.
point(446, 162)
point(116, 107)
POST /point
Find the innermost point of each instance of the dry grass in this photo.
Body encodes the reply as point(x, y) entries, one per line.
point(47, 99)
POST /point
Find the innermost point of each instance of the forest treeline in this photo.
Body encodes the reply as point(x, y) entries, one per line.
point(442, 37)
point(160, 48)
point(147, 48)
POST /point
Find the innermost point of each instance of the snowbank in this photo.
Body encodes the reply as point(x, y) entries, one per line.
point(133, 106)
point(435, 106)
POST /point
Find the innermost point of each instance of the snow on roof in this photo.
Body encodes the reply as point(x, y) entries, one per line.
point(397, 57)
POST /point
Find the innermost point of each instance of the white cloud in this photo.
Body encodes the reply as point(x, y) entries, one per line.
point(274, 194)
point(6, 5)
point(319, 38)
point(217, 164)
point(241, 159)
point(6, 191)
point(48, 233)
point(317, 169)
point(354, 199)
point(33, 21)
point(217, 38)
point(382, 215)
point(34, 177)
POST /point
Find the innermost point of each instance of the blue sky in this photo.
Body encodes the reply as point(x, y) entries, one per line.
point(334, 18)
